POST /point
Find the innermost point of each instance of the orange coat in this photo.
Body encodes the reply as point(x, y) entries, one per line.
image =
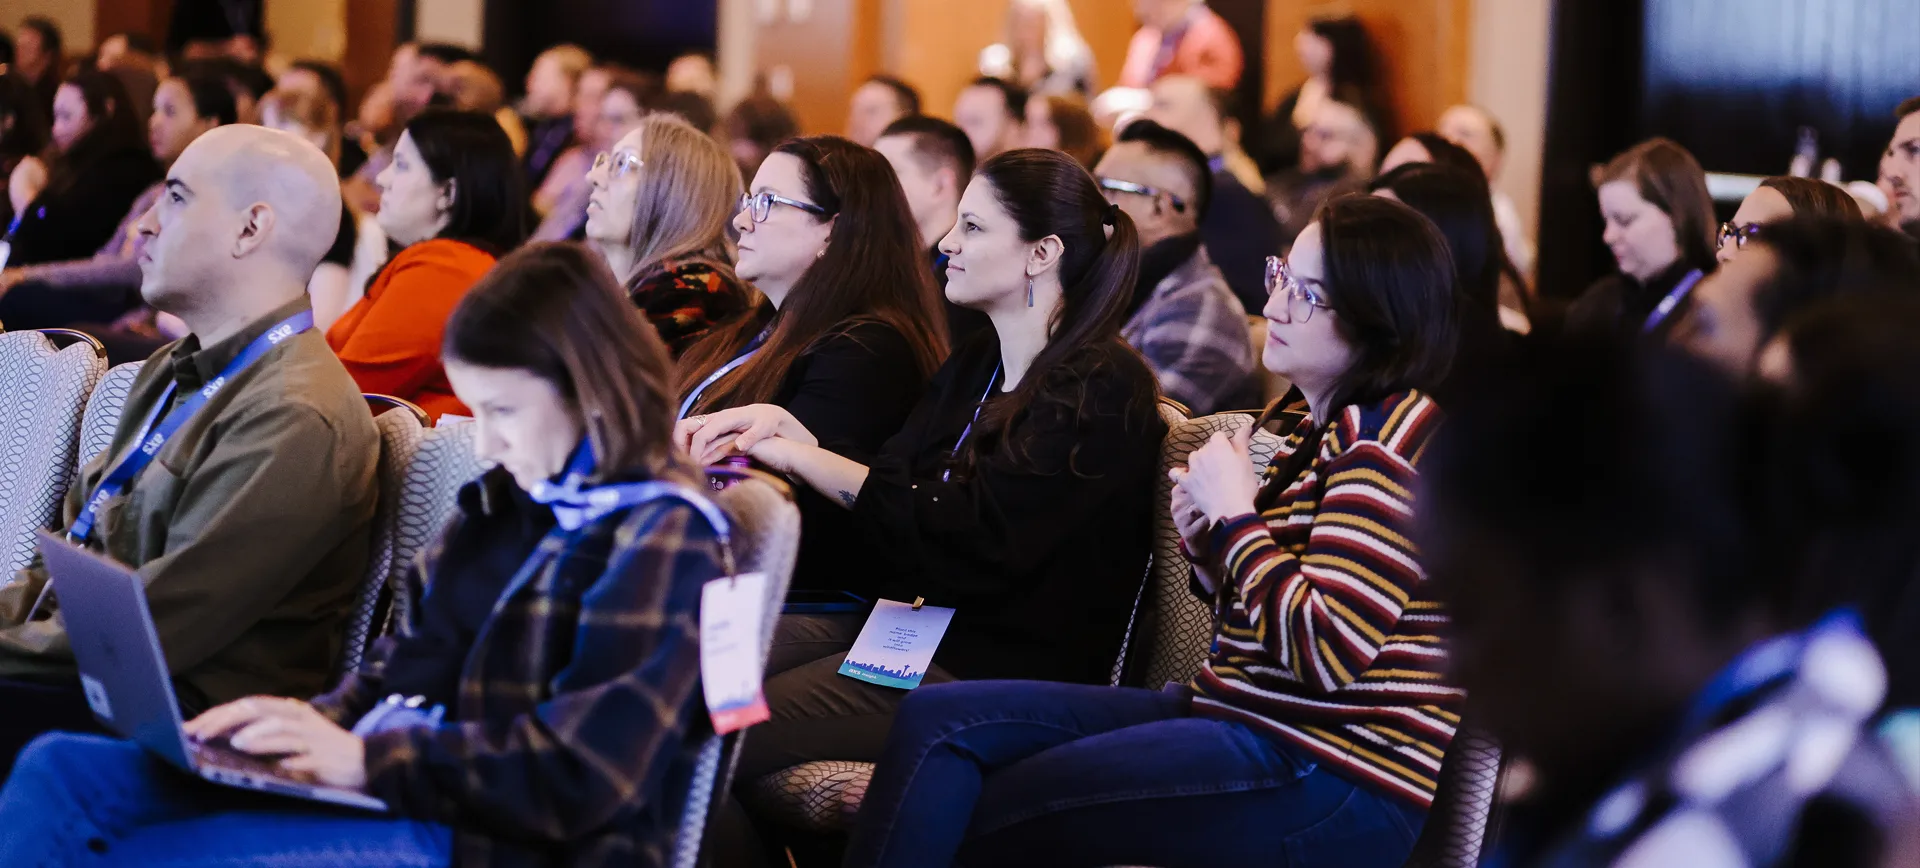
point(390, 340)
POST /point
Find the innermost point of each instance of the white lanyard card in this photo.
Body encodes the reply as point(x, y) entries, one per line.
point(896, 646)
point(732, 610)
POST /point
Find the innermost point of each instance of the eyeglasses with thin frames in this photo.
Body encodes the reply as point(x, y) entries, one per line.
point(1118, 186)
point(618, 165)
point(759, 205)
point(1738, 233)
point(1303, 294)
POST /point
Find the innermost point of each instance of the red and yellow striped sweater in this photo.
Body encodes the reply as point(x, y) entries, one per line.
point(1329, 635)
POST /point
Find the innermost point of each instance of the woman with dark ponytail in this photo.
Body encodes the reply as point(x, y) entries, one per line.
point(1314, 731)
point(1019, 493)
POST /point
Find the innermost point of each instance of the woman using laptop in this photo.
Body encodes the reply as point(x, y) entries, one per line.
point(547, 694)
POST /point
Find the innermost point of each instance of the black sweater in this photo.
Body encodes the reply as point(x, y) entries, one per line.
point(852, 391)
point(75, 222)
point(1041, 562)
point(1620, 304)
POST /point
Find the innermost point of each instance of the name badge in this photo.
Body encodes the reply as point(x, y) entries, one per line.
point(896, 646)
point(732, 610)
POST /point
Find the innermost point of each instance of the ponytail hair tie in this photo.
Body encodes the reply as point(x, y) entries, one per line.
point(1112, 215)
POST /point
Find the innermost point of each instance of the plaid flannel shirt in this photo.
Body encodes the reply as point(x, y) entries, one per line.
point(1193, 332)
point(579, 710)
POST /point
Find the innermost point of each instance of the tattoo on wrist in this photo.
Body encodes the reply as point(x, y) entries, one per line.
point(847, 497)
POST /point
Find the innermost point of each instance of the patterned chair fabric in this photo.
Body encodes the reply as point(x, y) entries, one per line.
point(1463, 817)
point(44, 392)
point(400, 436)
point(442, 462)
point(765, 538)
point(103, 410)
point(1174, 627)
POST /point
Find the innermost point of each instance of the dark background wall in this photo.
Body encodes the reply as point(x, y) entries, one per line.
point(1731, 80)
point(641, 33)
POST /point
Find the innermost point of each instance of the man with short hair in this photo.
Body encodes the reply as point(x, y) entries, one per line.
point(934, 162)
point(1337, 153)
point(248, 524)
point(877, 102)
point(1238, 229)
point(38, 51)
point(1182, 316)
point(1904, 166)
point(548, 107)
point(1479, 132)
point(993, 111)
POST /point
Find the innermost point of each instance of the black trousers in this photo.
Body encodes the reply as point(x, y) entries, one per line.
point(29, 710)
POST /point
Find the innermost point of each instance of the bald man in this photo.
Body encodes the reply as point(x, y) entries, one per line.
point(249, 524)
point(1475, 129)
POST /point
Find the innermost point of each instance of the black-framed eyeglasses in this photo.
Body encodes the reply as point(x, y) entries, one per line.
point(1303, 294)
point(759, 205)
point(1738, 234)
point(617, 165)
point(1118, 186)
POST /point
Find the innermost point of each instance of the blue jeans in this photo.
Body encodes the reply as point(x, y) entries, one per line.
point(1010, 773)
point(89, 800)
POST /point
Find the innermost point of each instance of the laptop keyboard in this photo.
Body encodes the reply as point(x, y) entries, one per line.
point(220, 755)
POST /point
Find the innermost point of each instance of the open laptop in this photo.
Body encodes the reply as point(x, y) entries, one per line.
point(124, 673)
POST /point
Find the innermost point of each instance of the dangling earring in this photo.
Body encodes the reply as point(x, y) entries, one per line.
point(1029, 292)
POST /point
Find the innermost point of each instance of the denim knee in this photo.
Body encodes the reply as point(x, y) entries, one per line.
point(60, 754)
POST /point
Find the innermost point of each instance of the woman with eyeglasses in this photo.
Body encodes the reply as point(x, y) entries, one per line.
point(847, 329)
point(1317, 723)
point(1020, 493)
point(452, 200)
point(662, 200)
point(1659, 225)
point(1779, 198)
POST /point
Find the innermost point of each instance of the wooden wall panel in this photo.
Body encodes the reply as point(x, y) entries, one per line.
point(832, 46)
point(1425, 46)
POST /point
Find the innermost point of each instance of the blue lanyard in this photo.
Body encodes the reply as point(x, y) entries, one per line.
point(154, 436)
point(753, 346)
point(575, 506)
point(947, 474)
point(1671, 301)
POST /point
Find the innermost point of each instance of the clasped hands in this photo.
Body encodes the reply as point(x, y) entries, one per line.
point(764, 432)
point(310, 745)
point(1216, 485)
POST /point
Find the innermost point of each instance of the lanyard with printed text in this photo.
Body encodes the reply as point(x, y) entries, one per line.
point(154, 434)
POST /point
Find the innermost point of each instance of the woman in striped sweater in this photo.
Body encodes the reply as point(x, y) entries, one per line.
point(1316, 727)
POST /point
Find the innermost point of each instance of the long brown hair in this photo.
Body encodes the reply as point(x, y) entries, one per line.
point(689, 187)
point(1670, 179)
point(555, 310)
point(114, 129)
point(1048, 193)
point(873, 270)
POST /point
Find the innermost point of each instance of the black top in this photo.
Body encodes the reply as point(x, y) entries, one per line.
point(1620, 303)
point(1240, 232)
point(341, 253)
point(500, 528)
point(76, 222)
point(1041, 561)
point(962, 322)
point(852, 390)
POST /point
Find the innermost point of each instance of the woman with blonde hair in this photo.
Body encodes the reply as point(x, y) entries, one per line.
point(660, 212)
point(1043, 52)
